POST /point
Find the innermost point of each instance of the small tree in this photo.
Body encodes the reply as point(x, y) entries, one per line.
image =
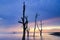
point(27, 29)
point(28, 34)
point(41, 31)
point(35, 26)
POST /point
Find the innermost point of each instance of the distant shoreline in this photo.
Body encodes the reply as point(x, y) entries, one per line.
point(56, 34)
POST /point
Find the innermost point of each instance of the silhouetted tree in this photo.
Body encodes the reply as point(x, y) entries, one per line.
point(27, 29)
point(35, 26)
point(28, 34)
point(41, 31)
point(24, 22)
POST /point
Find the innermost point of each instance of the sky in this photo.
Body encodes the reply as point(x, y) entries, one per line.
point(11, 12)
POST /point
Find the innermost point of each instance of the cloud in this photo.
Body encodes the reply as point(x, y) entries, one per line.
point(52, 22)
point(11, 9)
point(11, 28)
point(48, 26)
point(1, 19)
point(47, 22)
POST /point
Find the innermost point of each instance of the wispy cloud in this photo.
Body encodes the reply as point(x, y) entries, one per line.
point(47, 25)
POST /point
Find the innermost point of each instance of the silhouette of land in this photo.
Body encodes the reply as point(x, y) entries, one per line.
point(55, 34)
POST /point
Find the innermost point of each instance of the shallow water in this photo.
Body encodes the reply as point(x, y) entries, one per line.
point(46, 36)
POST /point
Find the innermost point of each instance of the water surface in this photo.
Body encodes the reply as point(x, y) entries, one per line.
point(46, 36)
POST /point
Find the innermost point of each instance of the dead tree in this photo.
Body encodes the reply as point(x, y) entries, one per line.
point(23, 22)
point(38, 28)
point(35, 26)
point(41, 31)
point(27, 29)
point(28, 34)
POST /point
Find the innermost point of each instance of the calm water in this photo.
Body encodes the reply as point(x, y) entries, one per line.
point(46, 36)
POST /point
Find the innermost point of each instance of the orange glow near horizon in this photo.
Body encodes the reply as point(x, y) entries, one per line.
point(19, 29)
point(46, 28)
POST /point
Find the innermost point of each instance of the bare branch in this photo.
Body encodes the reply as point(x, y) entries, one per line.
point(20, 22)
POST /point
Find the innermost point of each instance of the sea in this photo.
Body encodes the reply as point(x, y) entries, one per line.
point(18, 36)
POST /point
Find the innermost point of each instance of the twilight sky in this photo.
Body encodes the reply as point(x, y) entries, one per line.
point(11, 11)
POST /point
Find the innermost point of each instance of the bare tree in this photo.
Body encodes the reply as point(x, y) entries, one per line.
point(35, 26)
point(27, 29)
point(28, 34)
point(41, 31)
point(24, 22)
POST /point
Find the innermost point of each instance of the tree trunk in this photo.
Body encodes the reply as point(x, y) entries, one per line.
point(23, 38)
